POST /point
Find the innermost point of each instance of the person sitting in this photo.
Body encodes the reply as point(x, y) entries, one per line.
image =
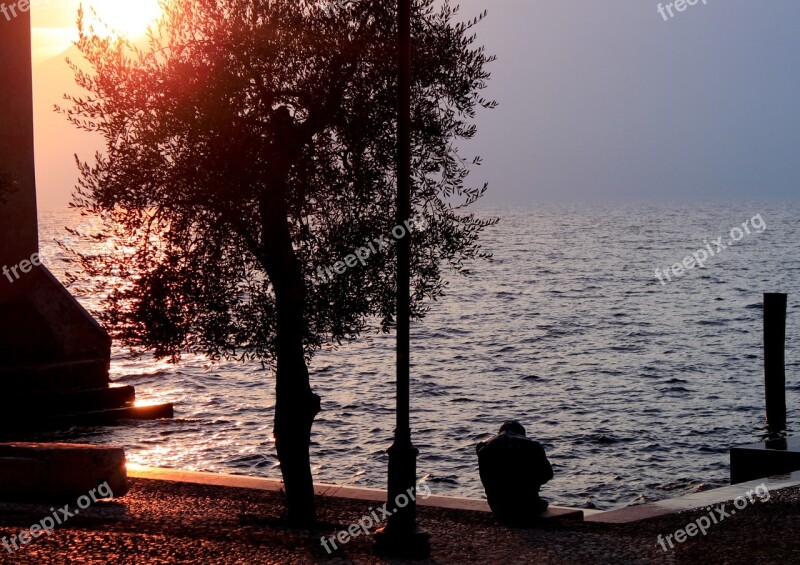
point(513, 469)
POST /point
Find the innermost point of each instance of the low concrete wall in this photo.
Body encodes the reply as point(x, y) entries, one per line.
point(59, 472)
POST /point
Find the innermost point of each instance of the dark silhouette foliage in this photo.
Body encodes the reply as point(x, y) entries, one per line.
point(254, 141)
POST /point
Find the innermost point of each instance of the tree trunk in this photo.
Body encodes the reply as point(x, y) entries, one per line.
point(295, 404)
point(295, 410)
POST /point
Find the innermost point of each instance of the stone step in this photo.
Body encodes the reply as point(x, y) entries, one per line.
point(59, 472)
point(68, 402)
point(104, 417)
point(772, 457)
point(20, 423)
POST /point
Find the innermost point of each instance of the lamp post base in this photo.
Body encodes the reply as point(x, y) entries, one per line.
point(392, 542)
point(402, 537)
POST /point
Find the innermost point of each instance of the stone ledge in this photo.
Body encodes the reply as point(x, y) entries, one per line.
point(692, 501)
point(54, 472)
point(12, 423)
point(749, 462)
point(328, 490)
point(53, 404)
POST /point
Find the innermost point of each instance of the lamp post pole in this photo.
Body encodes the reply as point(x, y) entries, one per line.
point(402, 535)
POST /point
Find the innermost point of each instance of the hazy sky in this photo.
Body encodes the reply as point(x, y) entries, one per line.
point(598, 100)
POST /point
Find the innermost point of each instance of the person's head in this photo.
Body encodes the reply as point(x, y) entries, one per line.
point(512, 427)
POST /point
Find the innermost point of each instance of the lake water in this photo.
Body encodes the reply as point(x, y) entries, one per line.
point(636, 389)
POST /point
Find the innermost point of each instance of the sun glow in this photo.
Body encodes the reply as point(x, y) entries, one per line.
point(126, 17)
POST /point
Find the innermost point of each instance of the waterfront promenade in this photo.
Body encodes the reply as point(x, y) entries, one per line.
point(166, 521)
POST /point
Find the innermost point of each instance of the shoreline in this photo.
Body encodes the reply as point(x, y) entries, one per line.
point(168, 521)
point(626, 514)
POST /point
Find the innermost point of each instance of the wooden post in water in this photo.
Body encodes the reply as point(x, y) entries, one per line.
point(774, 360)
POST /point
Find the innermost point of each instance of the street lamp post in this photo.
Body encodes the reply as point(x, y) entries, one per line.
point(402, 535)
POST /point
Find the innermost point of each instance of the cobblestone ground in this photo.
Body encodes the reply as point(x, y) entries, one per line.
point(163, 522)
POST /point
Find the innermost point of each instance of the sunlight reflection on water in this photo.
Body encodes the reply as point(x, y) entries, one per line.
point(636, 389)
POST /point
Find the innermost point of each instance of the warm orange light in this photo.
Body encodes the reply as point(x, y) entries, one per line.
point(129, 18)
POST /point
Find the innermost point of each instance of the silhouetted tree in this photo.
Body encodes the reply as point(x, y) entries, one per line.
point(253, 142)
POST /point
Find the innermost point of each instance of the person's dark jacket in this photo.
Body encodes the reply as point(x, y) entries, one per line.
point(513, 468)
